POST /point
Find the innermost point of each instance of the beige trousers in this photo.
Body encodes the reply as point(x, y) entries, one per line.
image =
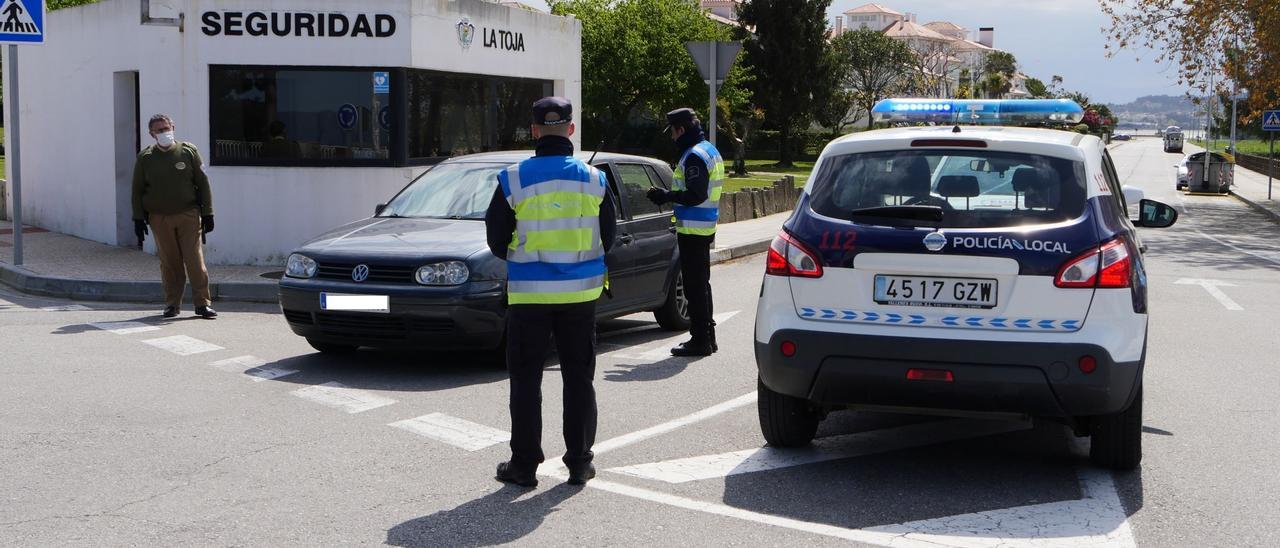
point(181, 256)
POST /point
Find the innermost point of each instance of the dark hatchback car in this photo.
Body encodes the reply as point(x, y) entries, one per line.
point(420, 274)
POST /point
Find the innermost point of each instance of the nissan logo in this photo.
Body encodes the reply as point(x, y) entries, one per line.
point(360, 273)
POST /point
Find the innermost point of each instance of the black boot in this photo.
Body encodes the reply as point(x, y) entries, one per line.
point(711, 337)
point(510, 472)
point(694, 347)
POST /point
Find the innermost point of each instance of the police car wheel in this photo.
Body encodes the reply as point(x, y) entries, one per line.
point(785, 421)
point(332, 348)
point(1116, 439)
point(674, 314)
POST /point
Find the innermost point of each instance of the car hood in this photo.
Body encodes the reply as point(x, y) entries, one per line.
point(400, 238)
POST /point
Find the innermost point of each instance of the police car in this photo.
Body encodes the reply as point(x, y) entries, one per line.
point(961, 269)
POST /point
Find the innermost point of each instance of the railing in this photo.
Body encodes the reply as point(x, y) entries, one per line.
point(753, 203)
point(1259, 164)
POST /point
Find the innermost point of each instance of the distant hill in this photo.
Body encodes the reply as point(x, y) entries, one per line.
point(1159, 111)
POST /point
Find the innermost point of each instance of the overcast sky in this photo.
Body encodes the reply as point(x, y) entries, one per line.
point(1048, 37)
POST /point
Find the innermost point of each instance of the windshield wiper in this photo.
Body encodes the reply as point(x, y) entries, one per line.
point(927, 213)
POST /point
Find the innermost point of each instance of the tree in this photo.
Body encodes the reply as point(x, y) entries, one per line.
point(59, 4)
point(634, 61)
point(1037, 89)
point(874, 64)
point(1196, 36)
point(789, 54)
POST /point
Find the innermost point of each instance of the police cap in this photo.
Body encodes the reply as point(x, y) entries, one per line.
point(681, 117)
point(552, 111)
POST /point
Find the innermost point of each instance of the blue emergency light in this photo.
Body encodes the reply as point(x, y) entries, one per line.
point(978, 111)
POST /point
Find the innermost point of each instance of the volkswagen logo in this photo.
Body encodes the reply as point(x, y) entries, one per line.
point(935, 241)
point(360, 273)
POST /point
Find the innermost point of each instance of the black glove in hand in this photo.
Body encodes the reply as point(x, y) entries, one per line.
point(139, 230)
point(206, 223)
point(657, 196)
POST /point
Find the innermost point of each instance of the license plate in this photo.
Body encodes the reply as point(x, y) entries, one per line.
point(355, 303)
point(935, 291)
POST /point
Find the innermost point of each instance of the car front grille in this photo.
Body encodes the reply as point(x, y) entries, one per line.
point(377, 273)
point(381, 326)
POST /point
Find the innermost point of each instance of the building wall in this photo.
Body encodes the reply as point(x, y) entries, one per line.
point(68, 109)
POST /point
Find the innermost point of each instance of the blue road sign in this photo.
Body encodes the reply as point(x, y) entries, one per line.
point(381, 82)
point(22, 22)
point(1271, 120)
point(348, 115)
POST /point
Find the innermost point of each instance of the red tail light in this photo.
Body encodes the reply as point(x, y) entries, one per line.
point(930, 375)
point(1106, 266)
point(788, 257)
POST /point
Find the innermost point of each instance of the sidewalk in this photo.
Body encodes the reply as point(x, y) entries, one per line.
point(1250, 187)
point(63, 266)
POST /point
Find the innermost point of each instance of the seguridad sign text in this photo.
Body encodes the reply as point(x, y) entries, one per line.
point(334, 25)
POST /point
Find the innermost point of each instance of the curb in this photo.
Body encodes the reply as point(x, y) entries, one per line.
point(31, 283)
point(1275, 216)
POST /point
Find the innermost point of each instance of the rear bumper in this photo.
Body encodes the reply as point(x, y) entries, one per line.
point(1040, 379)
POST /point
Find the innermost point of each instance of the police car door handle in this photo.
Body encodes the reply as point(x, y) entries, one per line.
point(626, 239)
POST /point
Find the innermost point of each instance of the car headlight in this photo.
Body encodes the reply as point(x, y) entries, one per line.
point(446, 273)
point(300, 266)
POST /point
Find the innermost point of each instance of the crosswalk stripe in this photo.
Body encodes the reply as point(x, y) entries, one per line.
point(454, 431)
point(254, 367)
point(182, 345)
point(340, 396)
point(125, 328)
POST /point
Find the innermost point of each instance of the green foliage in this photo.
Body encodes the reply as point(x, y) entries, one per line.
point(1037, 89)
point(59, 4)
point(634, 62)
point(871, 65)
point(792, 62)
point(1001, 62)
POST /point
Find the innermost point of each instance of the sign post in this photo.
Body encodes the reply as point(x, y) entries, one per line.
point(714, 59)
point(21, 22)
point(1271, 124)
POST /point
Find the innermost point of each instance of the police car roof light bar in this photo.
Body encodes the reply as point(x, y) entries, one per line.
point(978, 111)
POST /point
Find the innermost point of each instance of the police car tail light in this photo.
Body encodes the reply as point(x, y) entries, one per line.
point(1106, 266)
point(788, 257)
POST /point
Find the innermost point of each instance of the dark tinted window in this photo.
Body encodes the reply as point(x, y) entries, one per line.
point(269, 115)
point(454, 114)
point(975, 188)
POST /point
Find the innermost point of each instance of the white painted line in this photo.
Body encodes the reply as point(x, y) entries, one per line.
point(182, 345)
point(339, 396)
point(1212, 287)
point(826, 449)
point(1097, 520)
point(454, 431)
point(253, 366)
point(1270, 258)
point(66, 308)
point(125, 328)
point(660, 350)
point(653, 431)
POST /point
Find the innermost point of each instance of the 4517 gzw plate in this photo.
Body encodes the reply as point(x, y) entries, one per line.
point(935, 291)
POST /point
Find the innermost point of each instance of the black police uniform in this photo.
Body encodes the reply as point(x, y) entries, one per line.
point(529, 330)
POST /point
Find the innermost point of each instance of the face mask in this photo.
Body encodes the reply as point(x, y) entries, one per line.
point(165, 139)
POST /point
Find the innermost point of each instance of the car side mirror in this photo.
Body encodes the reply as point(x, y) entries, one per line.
point(377, 210)
point(1153, 214)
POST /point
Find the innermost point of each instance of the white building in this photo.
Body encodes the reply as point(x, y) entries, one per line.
point(307, 112)
point(870, 16)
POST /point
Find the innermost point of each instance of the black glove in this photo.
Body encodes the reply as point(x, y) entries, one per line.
point(206, 223)
point(139, 230)
point(657, 196)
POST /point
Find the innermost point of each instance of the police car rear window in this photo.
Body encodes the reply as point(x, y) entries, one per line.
point(975, 188)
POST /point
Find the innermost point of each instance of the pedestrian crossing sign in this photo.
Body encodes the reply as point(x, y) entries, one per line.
point(22, 22)
point(1271, 120)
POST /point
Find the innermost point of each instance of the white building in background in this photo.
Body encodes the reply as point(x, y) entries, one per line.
point(307, 112)
point(871, 16)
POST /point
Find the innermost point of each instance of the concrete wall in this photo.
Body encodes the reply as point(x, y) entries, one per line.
point(70, 107)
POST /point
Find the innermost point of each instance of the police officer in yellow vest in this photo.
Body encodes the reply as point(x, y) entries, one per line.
point(695, 195)
point(552, 219)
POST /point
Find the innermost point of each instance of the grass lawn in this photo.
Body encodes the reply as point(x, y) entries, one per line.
point(2, 160)
point(763, 173)
point(1247, 146)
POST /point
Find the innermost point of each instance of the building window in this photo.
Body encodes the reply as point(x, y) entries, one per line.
point(300, 116)
point(452, 114)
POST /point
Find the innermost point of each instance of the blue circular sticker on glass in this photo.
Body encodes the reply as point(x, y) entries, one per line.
point(348, 116)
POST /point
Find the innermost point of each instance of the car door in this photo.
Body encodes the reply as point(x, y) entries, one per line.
point(621, 259)
point(649, 231)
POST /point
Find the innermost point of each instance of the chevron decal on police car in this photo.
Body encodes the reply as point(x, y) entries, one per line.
point(963, 322)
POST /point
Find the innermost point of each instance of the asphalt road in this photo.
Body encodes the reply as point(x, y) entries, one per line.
point(234, 432)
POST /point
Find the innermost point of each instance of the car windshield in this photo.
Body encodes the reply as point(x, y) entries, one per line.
point(973, 188)
point(458, 190)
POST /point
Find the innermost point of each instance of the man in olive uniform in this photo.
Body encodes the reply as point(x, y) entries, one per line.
point(171, 193)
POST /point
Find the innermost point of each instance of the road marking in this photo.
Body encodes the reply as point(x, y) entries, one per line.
point(66, 308)
point(660, 350)
point(454, 431)
point(253, 366)
point(1212, 287)
point(826, 449)
point(182, 345)
point(340, 396)
point(653, 431)
point(125, 328)
point(1270, 258)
